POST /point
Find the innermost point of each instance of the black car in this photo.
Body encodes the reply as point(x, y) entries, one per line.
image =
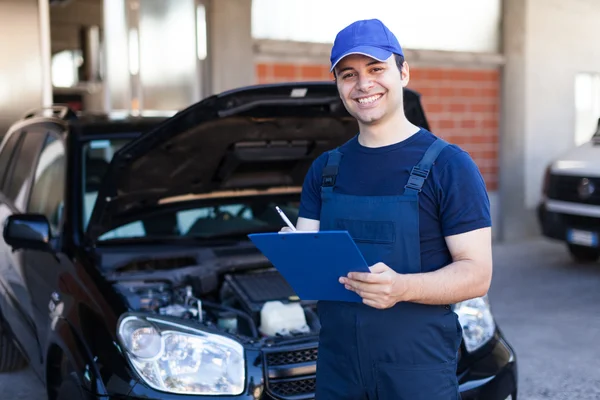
point(125, 266)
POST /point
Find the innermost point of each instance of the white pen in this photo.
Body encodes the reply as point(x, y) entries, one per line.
point(285, 218)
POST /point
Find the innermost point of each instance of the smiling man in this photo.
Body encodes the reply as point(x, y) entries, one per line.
point(418, 209)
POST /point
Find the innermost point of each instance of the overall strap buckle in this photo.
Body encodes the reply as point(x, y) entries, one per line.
point(330, 170)
point(417, 179)
point(423, 173)
point(420, 172)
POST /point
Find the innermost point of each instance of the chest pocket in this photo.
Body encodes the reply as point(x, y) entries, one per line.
point(375, 232)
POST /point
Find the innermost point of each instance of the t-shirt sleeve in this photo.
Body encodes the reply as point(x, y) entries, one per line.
point(463, 197)
point(310, 200)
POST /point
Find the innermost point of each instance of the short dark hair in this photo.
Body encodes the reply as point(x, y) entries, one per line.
point(397, 57)
point(399, 61)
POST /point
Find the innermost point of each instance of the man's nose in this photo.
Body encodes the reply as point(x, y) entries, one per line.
point(365, 82)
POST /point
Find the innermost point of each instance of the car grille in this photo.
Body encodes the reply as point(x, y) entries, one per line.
point(294, 388)
point(566, 188)
point(292, 357)
point(291, 373)
point(581, 222)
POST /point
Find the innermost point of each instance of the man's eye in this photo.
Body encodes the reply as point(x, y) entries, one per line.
point(345, 76)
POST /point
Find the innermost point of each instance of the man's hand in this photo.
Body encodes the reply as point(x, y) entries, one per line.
point(303, 224)
point(382, 288)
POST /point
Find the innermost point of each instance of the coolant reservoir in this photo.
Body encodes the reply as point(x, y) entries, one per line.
point(283, 319)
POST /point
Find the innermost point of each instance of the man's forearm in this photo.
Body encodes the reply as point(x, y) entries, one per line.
point(456, 282)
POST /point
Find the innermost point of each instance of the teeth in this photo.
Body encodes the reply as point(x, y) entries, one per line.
point(367, 100)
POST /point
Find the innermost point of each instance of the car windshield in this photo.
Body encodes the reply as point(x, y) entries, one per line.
point(212, 218)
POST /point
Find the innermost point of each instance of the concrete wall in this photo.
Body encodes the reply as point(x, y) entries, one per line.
point(230, 44)
point(546, 42)
point(25, 57)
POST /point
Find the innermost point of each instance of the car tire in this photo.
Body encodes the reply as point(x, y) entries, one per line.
point(584, 254)
point(11, 358)
point(70, 389)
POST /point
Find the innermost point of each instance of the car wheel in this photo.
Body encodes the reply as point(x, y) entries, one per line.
point(11, 358)
point(70, 389)
point(584, 254)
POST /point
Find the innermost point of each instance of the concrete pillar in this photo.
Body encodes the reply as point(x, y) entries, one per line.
point(25, 80)
point(515, 221)
point(230, 41)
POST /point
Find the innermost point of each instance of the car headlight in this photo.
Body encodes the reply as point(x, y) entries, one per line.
point(477, 322)
point(179, 359)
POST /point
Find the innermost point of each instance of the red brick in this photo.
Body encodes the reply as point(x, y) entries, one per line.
point(483, 76)
point(492, 170)
point(286, 71)
point(486, 169)
point(311, 72)
point(468, 123)
point(453, 74)
point(457, 107)
point(479, 139)
point(446, 124)
point(490, 185)
point(468, 92)
point(459, 140)
point(489, 92)
point(262, 70)
point(433, 107)
point(427, 92)
point(490, 123)
point(494, 75)
point(417, 74)
point(446, 92)
point(483, 107)
point(488, 154)
point(435, 74)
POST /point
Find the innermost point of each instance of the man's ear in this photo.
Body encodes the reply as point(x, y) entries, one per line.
point(405, 74)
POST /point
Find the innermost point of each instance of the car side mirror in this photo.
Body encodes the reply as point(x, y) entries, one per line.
point(27, 231)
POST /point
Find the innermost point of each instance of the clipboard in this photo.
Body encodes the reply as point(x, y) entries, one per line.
point(313, 262)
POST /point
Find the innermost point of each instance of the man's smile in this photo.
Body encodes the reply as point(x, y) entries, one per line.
point(369, 100)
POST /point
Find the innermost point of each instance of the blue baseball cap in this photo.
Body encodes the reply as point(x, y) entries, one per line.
point(369, 37)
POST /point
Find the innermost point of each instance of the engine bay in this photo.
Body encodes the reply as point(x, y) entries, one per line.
point(256, 302)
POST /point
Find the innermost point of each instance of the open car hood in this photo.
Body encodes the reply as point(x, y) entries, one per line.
point(258, 137)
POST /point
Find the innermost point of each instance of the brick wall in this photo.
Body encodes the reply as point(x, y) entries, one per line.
point(462, 105)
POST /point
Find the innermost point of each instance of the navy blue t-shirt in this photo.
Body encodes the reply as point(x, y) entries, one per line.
point(453, 200)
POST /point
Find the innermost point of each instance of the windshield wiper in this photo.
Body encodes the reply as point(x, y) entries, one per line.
point(176, 240)
point(237, 233)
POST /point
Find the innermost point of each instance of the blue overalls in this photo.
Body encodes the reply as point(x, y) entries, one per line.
point(406, 352)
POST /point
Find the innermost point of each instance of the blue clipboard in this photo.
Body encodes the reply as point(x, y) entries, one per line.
point(312, 262)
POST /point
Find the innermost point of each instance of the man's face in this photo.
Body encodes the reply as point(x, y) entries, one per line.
point(371, 90)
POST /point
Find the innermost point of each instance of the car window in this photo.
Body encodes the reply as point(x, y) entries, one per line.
point(6, 153)
point(97, 155)
point(210, 221)
point(17, 182)
point(47, 192)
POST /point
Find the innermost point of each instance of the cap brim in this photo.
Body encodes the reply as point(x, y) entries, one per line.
point(369, 51)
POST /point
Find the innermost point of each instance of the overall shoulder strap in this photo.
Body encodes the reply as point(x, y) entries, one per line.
point(330, 170)
point(420, 172)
